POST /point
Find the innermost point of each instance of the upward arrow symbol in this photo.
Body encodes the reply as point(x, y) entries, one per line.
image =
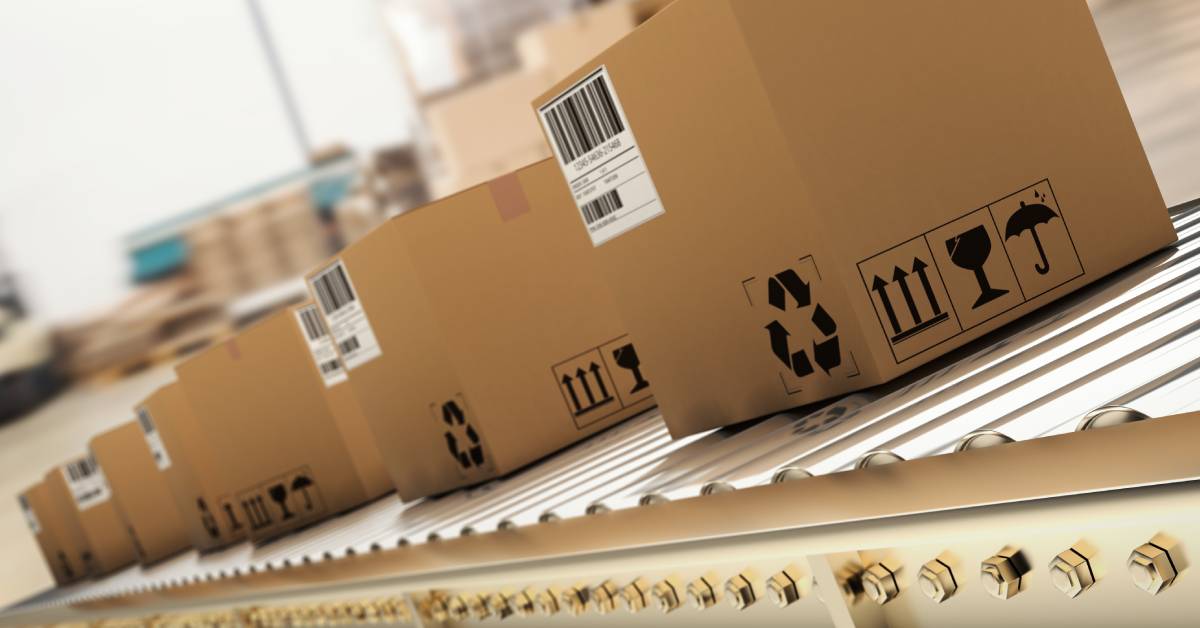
point(919, 267)
point(880, 286)
point(901, 277)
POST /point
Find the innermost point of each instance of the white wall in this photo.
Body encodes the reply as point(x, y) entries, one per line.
point(117, 114)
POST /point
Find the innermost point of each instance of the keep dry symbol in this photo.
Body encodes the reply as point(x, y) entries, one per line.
point(1028, 217)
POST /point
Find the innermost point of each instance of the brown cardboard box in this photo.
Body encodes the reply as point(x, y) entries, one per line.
point(180, 449)
point(480, 130)
point(477, 334)
point(140, 492)
point(562, 45)
point(356, 431)
point(280, 460)
point(46, 524)
point(80, 486)
point(812, 198)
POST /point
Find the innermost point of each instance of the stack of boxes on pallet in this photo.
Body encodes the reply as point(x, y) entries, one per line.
point(738, 218)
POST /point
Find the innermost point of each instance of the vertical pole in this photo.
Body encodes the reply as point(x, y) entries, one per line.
point(281, 82)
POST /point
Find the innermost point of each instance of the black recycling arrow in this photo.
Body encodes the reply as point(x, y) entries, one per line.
point(919, 267)
point(791, 282)
point(880, 286)
point(569, 382)
point(581, 375)
point(779, 343)
point(595, 369)
point(901, 277)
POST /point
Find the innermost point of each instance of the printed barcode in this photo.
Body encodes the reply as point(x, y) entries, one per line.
point(82, 468)
point(314, 327)
point(348, 345)
point(333, 289)
point(24, 503)
point(583, 120)
point(601, 206)
point(143, 418)
point(331, 366)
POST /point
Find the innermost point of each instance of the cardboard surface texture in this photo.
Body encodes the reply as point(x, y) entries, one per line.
point(478, 335)
point(90, 521)
point(46, 524)
point(184, 456)
point(795, 200)
point(141, 492)
point(279, 459)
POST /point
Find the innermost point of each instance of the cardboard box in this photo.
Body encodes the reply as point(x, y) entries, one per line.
point(477, 334)
point(79, 488)
point(347, 413)
point(480, 130)
point(181, 450)
point(562, 45)
point(280, 460)
point(45, 523)
point(794, 200)
point(140, 491)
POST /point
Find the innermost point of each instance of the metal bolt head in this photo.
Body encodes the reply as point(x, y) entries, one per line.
point(666, 594)
point(1071, 570)
point(740, 590)
point(634, 595)
point(936, 580)
point(522, 602)
point(435, 608)
point(783, 588)
point(498, 604)
point(1003, 575)
point(604, 597)
point(1152, 566)
point(880, 583)
point(849, 579)
point(701, 592)
point(574, 599)
point(547, 601)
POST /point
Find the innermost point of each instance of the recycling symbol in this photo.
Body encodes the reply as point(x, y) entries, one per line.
point(461, 438)
point(826, 351)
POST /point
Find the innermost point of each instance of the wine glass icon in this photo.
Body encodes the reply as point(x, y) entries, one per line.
point(969, 250)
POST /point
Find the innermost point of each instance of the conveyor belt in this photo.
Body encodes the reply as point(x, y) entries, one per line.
point(1131, 340)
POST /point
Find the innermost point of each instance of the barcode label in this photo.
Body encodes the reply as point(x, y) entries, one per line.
point(31, 519)
point(153, 439)
point(345, 317)
point(320, 345)
point(600, 158)
point(86, 482)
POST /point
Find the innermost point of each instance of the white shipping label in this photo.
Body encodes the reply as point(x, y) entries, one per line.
point(31, 519)
point(352, 334)
point(320, 345)
point(153, 439)
point(86, 482)
point(600, 158)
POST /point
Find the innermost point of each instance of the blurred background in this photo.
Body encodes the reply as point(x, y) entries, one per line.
point(169, 170)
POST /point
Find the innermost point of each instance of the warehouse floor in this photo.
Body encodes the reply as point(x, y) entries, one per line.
point(1154, 47)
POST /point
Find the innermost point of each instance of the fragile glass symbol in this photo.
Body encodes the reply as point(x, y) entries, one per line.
point(969, 250)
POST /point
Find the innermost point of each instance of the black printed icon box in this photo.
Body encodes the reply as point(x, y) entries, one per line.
point(141, 492)
point(262, 410)
point(497, 341)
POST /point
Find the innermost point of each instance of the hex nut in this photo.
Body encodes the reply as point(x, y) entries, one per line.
point(701, 592)
point(547, 601)
point(498, 604)
point(1071, 570)
point(634, 595)
point(575, 599)
point(783, 588)
point(1003, 575)
point(849, 579)
point(937, 580)
point(479, 606)
point(1152, 566)
point(522, 602)
point(880, 583)
point(740, 590)
point(604, 597)
point(666, 594)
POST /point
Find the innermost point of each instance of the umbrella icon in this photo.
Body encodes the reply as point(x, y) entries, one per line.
point(1029, 217)
point(301, 484)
